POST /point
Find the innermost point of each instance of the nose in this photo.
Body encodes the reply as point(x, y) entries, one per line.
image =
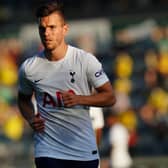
point(46, 31)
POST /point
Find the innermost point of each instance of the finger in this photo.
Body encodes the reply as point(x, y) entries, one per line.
point(69, 103)
point(38, 124)
point(64, 93)
point(38, 118)
point(38, 127)
point(65, 97)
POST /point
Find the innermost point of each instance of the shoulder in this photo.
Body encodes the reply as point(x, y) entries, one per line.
point(31, 62)
point(82, 54)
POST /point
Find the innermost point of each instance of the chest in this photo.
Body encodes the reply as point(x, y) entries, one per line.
point(59, 76)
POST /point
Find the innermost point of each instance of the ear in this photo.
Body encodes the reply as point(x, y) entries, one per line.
point(66, 29)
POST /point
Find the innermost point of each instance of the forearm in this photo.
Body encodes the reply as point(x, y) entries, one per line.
point(103, 97)
point(27, 109)
point(99, 100)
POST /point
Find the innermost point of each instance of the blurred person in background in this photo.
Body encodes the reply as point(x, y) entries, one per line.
point(119, 141)
point(61, 77)
point(96, 114)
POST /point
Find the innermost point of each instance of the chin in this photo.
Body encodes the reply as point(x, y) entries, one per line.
point(47, 47)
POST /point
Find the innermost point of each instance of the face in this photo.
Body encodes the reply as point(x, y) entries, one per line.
point(52, 30)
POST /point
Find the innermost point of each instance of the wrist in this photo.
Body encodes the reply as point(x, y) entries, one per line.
point(31, 120)
point(80, 100)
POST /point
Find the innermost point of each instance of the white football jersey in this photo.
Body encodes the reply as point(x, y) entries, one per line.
point(68, 132)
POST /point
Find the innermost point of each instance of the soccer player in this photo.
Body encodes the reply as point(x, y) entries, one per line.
point(61, 78)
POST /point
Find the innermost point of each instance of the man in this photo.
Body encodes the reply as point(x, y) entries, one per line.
point(96, 114)
point(61, 78)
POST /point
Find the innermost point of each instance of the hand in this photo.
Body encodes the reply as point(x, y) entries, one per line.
point(37, 123)
point(70, 99)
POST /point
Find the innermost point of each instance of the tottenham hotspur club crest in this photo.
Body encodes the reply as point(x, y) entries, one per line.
point(72, 76)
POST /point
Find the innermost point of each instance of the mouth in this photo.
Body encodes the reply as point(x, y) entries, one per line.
point(46, 41)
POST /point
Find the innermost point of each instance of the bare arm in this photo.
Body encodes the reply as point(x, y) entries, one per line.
point(103, 97)
point(27, 110)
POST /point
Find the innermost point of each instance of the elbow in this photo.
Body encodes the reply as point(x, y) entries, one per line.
point(111, 100)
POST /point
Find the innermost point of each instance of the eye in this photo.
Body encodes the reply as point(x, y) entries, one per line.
point(42, 29)
point(52, 27)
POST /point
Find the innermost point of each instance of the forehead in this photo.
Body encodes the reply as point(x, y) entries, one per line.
point(52, 19)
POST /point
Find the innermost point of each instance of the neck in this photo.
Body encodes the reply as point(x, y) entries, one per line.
point(57, 54)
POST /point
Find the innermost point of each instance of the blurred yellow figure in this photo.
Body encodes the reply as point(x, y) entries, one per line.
point(159, 100)
point(119, 141)
point(163, 63)
point(123, 85)
point(13, 127)
point(8, 71)
point(128, 119)
point(124, 65)
point(151, 59)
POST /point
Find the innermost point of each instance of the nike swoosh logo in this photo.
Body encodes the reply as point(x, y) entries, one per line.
point(36, 81)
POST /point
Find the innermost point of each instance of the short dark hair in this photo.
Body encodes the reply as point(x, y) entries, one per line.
point(49, 7)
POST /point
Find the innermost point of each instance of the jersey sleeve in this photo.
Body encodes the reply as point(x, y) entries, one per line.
point(96, 75)
point(24, 85)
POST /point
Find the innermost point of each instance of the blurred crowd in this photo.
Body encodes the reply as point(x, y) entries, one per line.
point(138, 70)
point(11, 124)
point(139, 74)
